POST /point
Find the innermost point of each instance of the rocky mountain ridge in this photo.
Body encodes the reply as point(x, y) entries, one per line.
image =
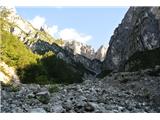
point(31, 37)
point(135, 46)
point(22, 28)
point(139, 31)
point(85, 50)
point(41, 47)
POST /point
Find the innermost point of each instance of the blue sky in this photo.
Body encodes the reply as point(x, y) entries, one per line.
point(91, 25)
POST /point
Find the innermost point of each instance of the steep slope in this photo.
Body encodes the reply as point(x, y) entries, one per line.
point(139, 31)
point(14, 53)
point(22, 28)
point(118, 92)
point(90, 66)
point(33, 68)
point(39, 41)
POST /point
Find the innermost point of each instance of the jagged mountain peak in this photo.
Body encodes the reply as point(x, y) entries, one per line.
point(22, 28)
point(27, 33)
point(40, 42)
point(101, 53)
point(85, 50)
point(80, 48)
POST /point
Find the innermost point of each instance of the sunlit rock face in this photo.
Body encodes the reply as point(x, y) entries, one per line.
point(85, 50)
point(8, 74)
point(138, 31)
point(101, 53)
point(40, 41)
point(80, 48)
point(22, 28)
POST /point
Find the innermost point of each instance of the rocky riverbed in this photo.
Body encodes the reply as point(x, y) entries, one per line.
point(118, 92)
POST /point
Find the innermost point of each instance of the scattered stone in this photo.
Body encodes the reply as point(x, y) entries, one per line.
point(57, 109)
point(68, 105)
point(89, 108)
point(37, 110)
point(31, 95)
point(105, 96)
point(43, 97)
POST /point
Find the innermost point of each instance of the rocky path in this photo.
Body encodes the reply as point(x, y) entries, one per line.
point(119, 92)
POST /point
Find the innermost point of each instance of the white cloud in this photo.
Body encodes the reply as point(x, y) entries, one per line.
point(53, 30)
point(72, 34)
point(65, 34)
point(38, 22)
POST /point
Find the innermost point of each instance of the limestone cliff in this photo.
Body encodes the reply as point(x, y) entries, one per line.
point(138, 31)
point(101, 53)
point(85, 50)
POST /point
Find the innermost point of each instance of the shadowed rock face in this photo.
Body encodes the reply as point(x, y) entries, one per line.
point(139, 31)
point(41, 47)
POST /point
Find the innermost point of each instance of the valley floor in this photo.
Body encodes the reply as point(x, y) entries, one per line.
point(118, 92)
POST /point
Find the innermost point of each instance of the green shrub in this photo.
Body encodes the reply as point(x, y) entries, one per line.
point(41, 79)
point(50, 70)
point(53, 88)
point(14, 52)
point(15, 88)
point(32, 68)
point(60, 70)
point(34, 73)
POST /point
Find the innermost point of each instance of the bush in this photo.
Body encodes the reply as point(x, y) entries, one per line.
point(32, 68)
point(34, 73)
point(53, 88)
point(14, 52)
point(60, 70)
point(41, 79)
point(15, 88)
point(49, 70)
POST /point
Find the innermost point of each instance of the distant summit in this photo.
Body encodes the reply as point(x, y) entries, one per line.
point(85, 50)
